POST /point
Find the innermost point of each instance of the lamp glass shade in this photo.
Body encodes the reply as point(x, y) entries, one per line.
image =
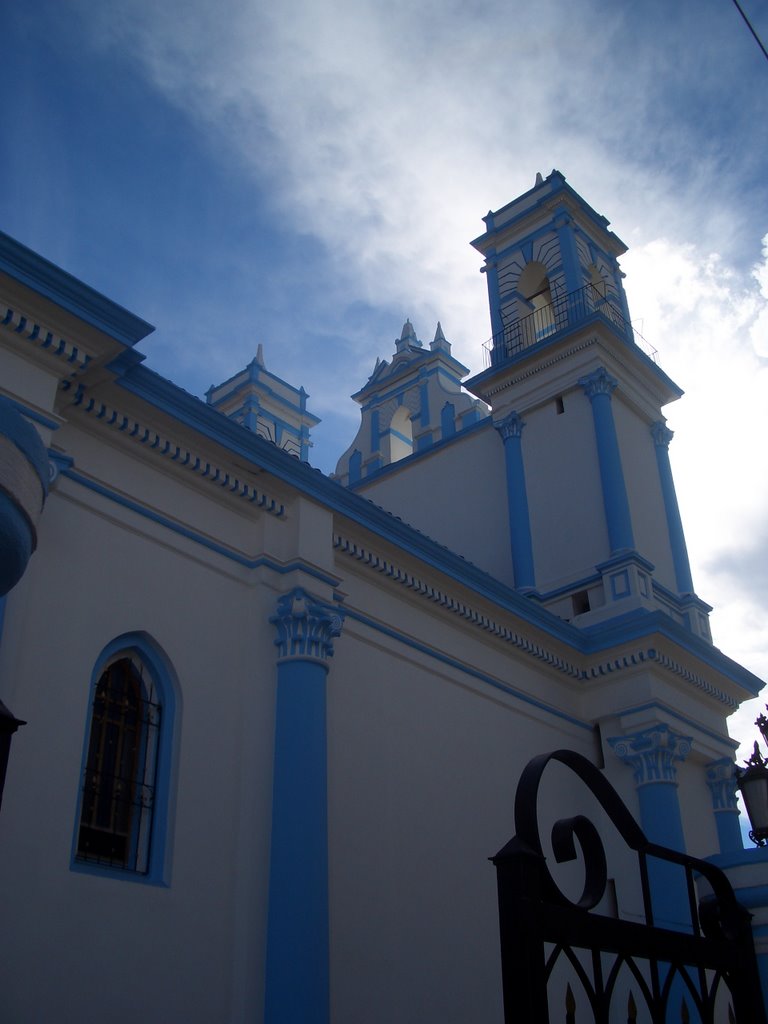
point(754, 789)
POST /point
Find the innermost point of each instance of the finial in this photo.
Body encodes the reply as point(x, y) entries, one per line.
point(440, 341)
point(260, 356)
point(539, 179)
point(407, 337)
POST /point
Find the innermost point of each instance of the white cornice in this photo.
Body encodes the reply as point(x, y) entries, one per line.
point(183, 457)
point(17, 323)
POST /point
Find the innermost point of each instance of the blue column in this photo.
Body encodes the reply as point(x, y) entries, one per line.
point(569, 253)
point(297, 968)
point(721, 779)
point(491, 272)
point(598, 387)
point(511, 430)
point(652, 754)
point(662, 435)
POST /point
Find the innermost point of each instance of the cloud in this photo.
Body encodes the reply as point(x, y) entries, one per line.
point(384, 131)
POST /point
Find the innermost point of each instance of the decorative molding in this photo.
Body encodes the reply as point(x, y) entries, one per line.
point(306, 628)
point(511, 426)
point(17, 323)
point(661, 434)
point(698, 681)
point(183, 457)
point(440, 597)
point(721, 779)
point(544, 364)
point(597, 670)
point(598, 383)
point(652, 753)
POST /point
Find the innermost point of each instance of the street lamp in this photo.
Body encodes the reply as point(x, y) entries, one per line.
point(753, 783)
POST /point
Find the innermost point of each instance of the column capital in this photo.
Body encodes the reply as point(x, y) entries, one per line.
point(661, 434)
point(305, 626)
point(598, 383)
point(652, 753)
point(511, 426)
point(721, 779)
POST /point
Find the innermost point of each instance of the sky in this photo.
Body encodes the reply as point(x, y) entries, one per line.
point(308, 174)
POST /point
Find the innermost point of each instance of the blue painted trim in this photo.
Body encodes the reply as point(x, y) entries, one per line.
point(23, 435)
point(414, 369)
point(18, 540)
point(728, 830)
point(448, 420)
point(66, 291)
point(398, 384)
point(393, 467)
point(482, 379)
point(169, 696)
point(656, 706)
point(747, 857)
point(298, 407)
point(552, 186)
point(424, 405)
point(359, 509)
point(660, 820)
point(197, 538)
point(615, 501)
point(467, 670)
point(375, 431)
point(754, 896)
point(517, 508)
point(192, 412)
point(675, 530)
point(491, 270)
point(296, 431)
point(354, 467)
point(568, 252)
point(30, 414)
point(297, 985)
point(401, 437)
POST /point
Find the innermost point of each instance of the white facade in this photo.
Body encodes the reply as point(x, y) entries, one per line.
point(348, 695)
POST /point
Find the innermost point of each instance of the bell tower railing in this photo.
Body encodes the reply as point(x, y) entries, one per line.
point(564, 313)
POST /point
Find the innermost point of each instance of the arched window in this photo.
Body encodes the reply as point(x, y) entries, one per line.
point(125, 786)
point(533, 285)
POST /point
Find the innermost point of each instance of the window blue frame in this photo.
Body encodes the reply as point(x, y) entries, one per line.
point(146, 678)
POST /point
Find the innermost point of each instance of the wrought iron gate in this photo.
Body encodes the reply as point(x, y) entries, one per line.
point(617, 970)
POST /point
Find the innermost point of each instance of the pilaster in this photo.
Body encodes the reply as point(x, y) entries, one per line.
point(297, 963)
point(721, 779)
point(653, 755)
point(511, 431)
point(662, 435)
point(598, 387)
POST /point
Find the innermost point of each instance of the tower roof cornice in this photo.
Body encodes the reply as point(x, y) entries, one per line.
point(538, 204)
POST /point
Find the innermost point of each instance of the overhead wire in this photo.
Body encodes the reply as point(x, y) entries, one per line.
point(747, 22)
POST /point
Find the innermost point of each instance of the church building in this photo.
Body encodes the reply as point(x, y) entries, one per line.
point(273, 720)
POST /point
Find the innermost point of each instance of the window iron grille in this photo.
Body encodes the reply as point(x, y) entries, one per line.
point(118, 787)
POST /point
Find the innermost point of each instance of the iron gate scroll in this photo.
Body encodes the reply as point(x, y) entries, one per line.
point(706, 972)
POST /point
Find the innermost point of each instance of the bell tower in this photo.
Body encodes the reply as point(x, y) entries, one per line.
point(577, 399)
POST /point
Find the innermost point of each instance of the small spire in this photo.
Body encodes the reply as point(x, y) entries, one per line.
point(440, 341)
point(407, 337)
point(539, 179)
point(260, 356)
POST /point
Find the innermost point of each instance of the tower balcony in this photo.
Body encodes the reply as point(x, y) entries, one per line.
point(548, 323)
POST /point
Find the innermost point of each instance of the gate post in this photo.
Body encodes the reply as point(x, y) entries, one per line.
point(519, 881)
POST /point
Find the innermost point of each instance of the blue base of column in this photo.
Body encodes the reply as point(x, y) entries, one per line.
point(297, 985)
point(660, 819)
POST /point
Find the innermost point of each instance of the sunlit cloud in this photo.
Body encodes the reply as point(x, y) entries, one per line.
point(385, 131)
